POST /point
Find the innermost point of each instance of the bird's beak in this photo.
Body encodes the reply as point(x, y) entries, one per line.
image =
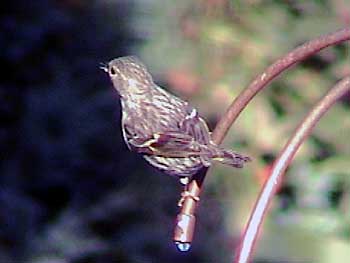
point(104, 66)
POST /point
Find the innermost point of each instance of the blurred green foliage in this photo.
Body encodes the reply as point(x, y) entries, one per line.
point(207, 51)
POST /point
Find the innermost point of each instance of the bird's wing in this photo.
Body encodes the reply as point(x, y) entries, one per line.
point(169, 144)
point(180, 145)
point(191, 140)
point(196, 127)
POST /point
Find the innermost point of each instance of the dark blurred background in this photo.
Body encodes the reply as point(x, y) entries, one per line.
point(70, 191)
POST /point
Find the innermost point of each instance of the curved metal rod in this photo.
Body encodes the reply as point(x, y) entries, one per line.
point(246, 247)
point(270, 73)
point(184, 228)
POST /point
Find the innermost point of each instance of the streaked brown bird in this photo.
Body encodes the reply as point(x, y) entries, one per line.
point(165, 129)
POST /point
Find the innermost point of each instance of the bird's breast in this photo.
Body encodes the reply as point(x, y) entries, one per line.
point(151, 116)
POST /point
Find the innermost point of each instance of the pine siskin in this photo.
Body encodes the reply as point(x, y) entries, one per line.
point(165, 129)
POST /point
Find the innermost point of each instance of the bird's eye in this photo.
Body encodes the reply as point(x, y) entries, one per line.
point(113, 71)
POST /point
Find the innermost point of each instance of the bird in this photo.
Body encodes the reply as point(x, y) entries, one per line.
point(165, 129)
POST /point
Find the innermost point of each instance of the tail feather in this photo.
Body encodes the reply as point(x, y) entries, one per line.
point(232, 158)
point(227, 157)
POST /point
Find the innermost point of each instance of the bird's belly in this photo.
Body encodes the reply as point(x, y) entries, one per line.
point(181, 167)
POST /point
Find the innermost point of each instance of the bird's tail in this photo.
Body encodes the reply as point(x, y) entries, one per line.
point(228, 157)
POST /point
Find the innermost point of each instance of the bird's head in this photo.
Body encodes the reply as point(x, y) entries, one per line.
point(129, 75)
